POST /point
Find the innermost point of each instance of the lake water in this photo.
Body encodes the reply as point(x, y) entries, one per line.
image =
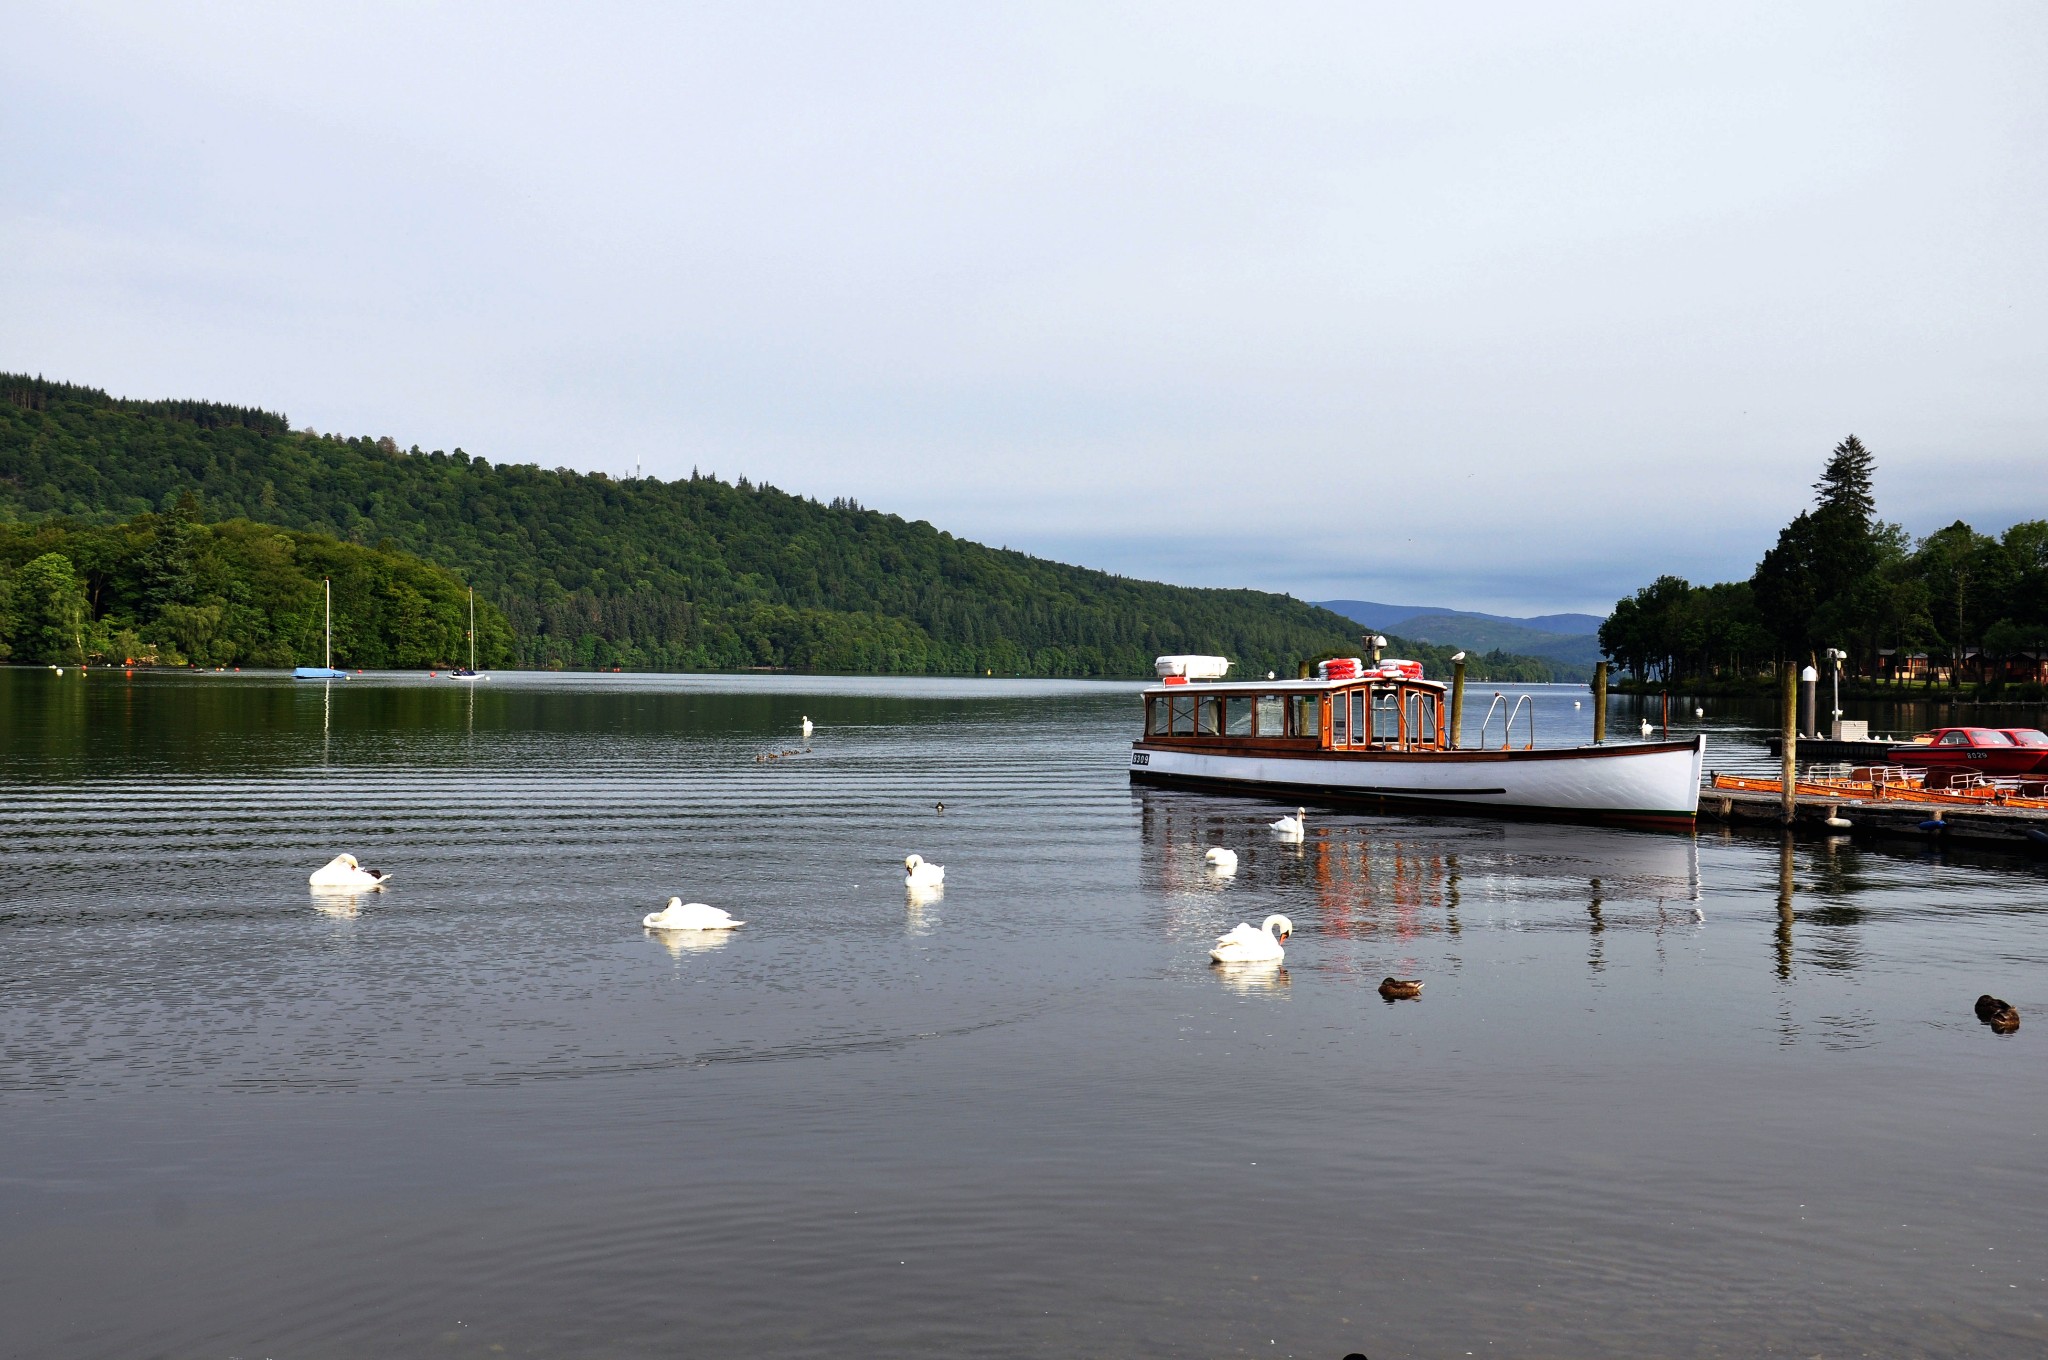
point(483, 1113)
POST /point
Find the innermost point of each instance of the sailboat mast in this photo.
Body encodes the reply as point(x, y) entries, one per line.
point(472, 627)
point(328, 659)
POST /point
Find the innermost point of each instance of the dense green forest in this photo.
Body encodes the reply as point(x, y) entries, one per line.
point(1955, 606)
point(696, 574)
point(172, 590)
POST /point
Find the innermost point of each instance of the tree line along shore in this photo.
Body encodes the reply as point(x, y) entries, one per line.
point(192, 532)
point(1955, 610)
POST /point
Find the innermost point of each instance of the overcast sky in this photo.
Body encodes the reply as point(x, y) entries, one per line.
point(1502, 307)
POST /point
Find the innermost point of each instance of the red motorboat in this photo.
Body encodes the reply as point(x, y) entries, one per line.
point(2030, 739)
point(1970, 750)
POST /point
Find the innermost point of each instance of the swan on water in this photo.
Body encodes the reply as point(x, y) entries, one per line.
point(681, 915)
point(1575, 703)
point(1246, 944)
point(343, 872)
point(919, 874)
point(1646, 727)
point(1222, 861)
point(1294, 827)
point(807, 727)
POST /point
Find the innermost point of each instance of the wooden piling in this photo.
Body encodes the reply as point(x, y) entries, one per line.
point(1789, 771)
point(1599, 702)
point(1457, 699)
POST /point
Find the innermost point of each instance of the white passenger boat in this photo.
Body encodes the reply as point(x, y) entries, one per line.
point(1377, 736)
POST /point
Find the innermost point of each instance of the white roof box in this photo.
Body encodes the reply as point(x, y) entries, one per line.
point(1192, 667)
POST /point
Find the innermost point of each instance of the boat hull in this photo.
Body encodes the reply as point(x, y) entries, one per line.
point(318, 673)
point(1631, 784)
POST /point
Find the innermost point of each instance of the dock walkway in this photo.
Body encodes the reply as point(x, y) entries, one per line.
point(2008, 828)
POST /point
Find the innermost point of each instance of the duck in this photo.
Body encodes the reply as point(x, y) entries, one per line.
point(1401, 989)
point(807, 727)
point(2002, 1016)
point(1246, 945)
point(1222, 861)
point(939, 808)
point(343, 872)
point(1294, 827)
point(681, 915)
point(919, 874)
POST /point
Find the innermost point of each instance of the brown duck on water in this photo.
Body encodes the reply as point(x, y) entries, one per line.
point(2000, 1015)
point(1401, 989)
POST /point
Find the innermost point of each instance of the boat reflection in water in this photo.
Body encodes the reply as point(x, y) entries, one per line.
point(1381, 881)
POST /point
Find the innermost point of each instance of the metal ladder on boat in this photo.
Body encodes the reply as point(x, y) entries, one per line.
point(1508, 725)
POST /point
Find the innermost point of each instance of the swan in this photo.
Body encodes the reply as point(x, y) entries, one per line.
point(343, 872)
point(1575, 703)
point(1222, 861)
point(1646, 727)
point(681, 915)
point(1246, 944)
point(807, 727)
point(919, 874)
point(1294, 827)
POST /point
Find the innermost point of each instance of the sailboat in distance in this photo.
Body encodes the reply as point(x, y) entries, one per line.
point(325, 671)
point(469, 672)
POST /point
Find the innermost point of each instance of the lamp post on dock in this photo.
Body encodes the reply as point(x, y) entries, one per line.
point(1834, 656)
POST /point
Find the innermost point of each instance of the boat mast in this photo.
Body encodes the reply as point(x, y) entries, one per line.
point(472, 628)
point(328, 660)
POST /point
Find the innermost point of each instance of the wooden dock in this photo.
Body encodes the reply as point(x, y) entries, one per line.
point(1990, 826)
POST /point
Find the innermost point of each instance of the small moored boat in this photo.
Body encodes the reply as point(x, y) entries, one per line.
point(1376, 734)
point(325, 670)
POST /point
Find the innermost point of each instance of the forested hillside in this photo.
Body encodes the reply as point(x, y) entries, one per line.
point(642, 573)
point(171, 590)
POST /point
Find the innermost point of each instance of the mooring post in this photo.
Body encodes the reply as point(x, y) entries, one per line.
point(1809, 687)
point(1599, 702)
point(1790, 766)
point(1457, 699)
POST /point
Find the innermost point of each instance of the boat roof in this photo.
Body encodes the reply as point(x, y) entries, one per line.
point(1288, 686)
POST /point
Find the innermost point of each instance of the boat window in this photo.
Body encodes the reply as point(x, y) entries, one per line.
point(1421, 717)
point(1956, 739)
point(1386, 715)
point(1987, 737)
point(1308, 716)
point(1183, 714)
point(1209, 715)
point(1339, 711)
point(1360, 732)
point(1240, 716)
point(1155, 717)
point(1272, 716)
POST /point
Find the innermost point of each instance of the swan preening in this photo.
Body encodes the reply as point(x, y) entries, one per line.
point(1222, 861)
point(918, 874)
point(807, 727)
point(343, 872)
point(1295, 827)
point(681, 915)
point(1246, 945)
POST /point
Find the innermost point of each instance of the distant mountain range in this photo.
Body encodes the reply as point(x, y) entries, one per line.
point(1568, 640)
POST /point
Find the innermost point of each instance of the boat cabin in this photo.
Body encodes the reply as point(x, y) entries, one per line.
point(1298, 716)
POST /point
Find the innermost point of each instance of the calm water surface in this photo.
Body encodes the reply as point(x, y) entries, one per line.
point(485, 1113)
